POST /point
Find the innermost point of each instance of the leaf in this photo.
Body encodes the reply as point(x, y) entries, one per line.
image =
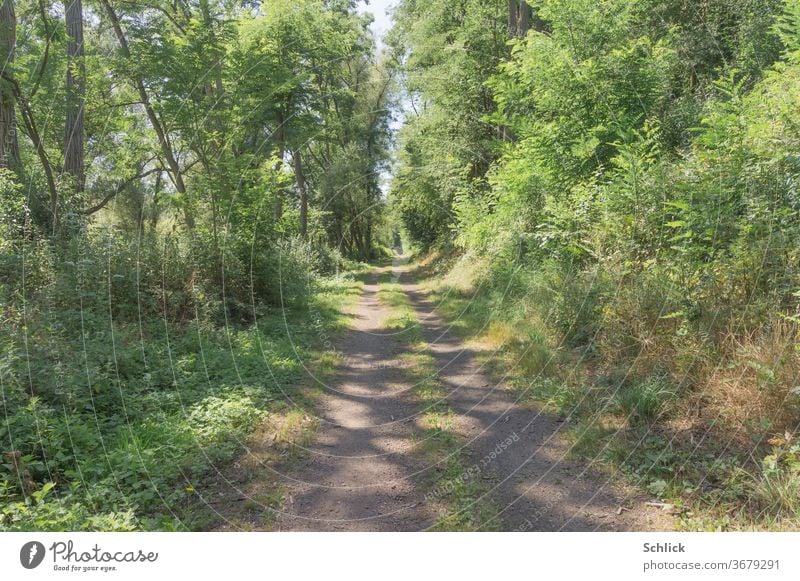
point(678, 204)
point(674, 315)
point(39, 495)
point(657, 487)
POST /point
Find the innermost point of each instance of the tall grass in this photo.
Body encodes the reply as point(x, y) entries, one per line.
point(678, 401)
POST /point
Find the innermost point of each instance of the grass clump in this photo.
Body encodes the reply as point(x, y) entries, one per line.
point(642, 402)
point(402, 320)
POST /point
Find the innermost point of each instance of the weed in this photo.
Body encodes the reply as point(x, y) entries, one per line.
point(643, 401)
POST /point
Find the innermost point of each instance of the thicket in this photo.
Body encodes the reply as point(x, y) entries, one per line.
point(180, 185)
point(632, 216)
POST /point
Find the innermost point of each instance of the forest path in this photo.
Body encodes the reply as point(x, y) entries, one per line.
point(362, 471)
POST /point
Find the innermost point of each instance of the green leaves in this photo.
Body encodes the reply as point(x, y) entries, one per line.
point(787, 28)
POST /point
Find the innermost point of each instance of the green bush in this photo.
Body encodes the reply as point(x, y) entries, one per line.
point(122, 381)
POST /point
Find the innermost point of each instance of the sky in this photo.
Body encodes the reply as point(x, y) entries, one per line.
point(378, 8)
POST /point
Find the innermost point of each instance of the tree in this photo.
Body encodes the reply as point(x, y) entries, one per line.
point(449, 141)
point(519, 15)
point(76, 93)
point(301, 188)
point(174, 169)
point(9, 146)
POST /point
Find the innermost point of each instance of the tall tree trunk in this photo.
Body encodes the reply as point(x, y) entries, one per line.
point(9, 147)
point(163, 138)
point(524, 18)
point(513, 9)
point(280, 136)
point(32, 130)
point(76, 91)
point(368, 239)
point(301, 187)
point(154, 211)
point(519, 18)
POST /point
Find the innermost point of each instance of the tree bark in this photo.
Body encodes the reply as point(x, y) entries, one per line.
point(76, 96)
point(519, 18)
point(301, 187)
point(9, 145)
point(513, 9)
point(523, 19)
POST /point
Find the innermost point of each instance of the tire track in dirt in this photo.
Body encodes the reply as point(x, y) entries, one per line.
point(360, 472)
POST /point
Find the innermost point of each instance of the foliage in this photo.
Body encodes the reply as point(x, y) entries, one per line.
point(154, 315)
point(130, 391)
point(639, 208)
point(446, 55)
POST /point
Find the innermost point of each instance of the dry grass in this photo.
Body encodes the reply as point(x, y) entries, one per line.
point(464, 274)
point(430, 259)
point(499, 334)
point(755, 385)
point(706, 394)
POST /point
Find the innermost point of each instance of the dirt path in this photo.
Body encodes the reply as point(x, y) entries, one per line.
point(361, 472)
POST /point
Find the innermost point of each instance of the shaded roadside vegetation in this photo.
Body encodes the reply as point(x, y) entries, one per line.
point(669, 438)
point(182, 187)
point(619, 219)
point(117, 416)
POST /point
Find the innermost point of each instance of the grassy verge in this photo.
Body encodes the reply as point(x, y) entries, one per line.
point(143, 415)
point(402, 319)
point(450, 485)
point(644, 426)
point(245, 494)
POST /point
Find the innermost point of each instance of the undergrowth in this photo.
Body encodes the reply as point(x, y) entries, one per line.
point(115, 422)
point(673, 426)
